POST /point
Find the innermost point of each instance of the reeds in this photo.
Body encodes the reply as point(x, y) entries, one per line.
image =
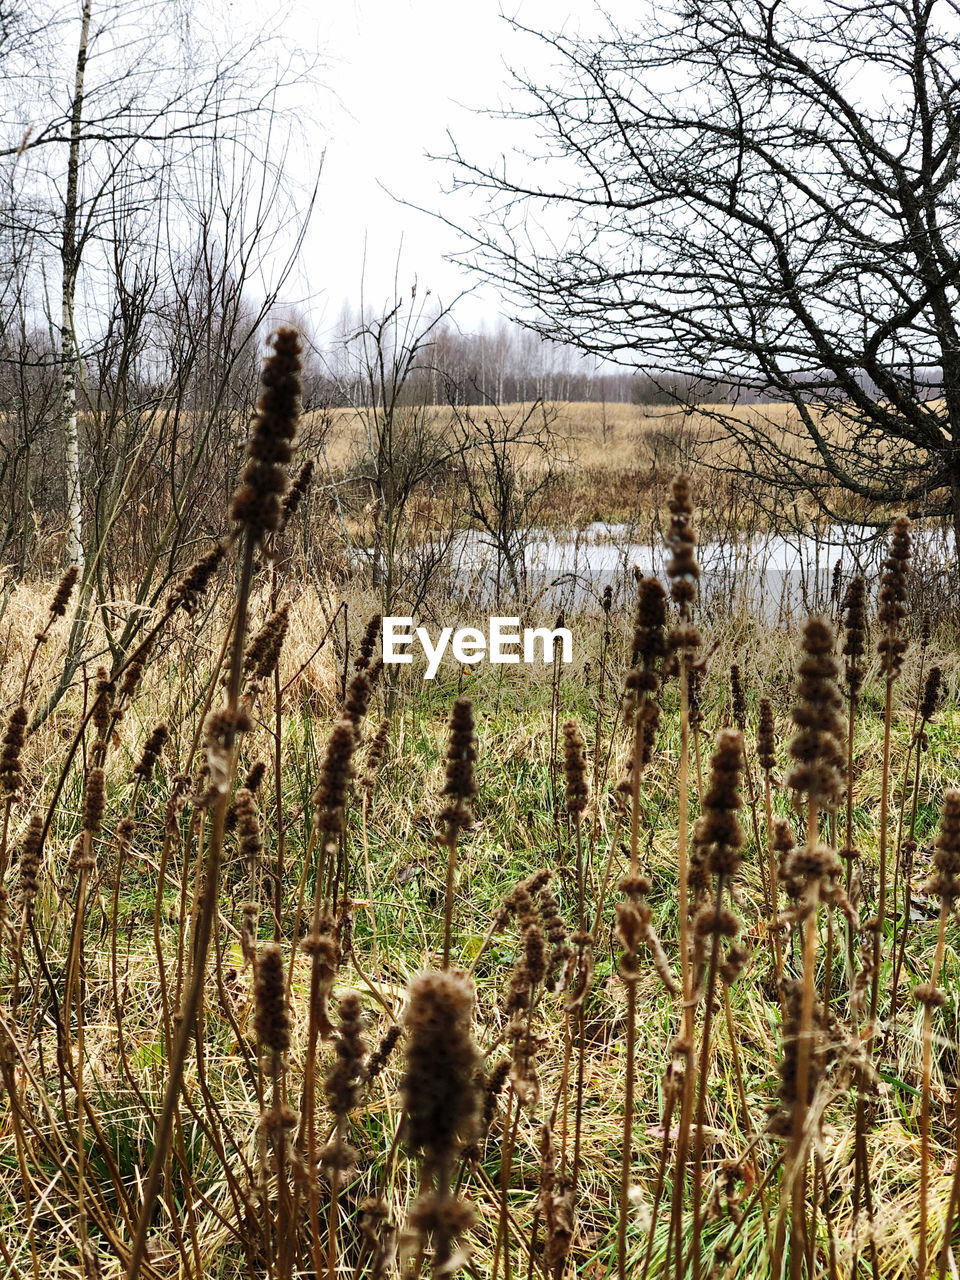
point(675, 1080)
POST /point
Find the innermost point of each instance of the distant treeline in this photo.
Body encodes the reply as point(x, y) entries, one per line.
point(505, 365)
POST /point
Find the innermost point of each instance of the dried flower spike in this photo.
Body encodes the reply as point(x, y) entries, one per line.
point(460, 787)
point(272, 1019)
point(256, 503)
point(61, 597)
point(575, 770)
point(893, 599)
point(945, 879)
point(817, 744)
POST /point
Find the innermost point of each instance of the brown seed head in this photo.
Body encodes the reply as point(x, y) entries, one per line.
point(30, 851)
point(190, 590)
point(817, 744)
point(357, 700)
point(381, 1055)
point(347, 1074)
point(932, 692)
point(102, 702)
point(256, 503)
point(854, 609)
point(335, 777)
point(263, 651)
point(719, 832)
point(738, 699)
point(371, 634)
point(682, 567)
point(766, 737)
point(945, 879)
point(10, 769)
point(460, 787)
point(61, 597)
point(93, 802)
point(375, 753)
point(439, 1086)
point(893, 599)
point(272, 1019)
point(575, 770)
point(151, 753)
point(298, 489)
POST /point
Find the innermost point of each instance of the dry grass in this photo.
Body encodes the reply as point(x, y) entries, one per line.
point(275, 1164)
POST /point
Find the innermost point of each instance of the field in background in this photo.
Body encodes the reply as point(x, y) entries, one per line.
point(224, 1201)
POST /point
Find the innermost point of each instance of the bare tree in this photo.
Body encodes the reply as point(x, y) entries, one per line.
point(142, 98)
point(507, 469)
point(406, 449)
point(767, 195)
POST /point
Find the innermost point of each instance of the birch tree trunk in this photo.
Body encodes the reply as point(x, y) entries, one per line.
point(68, 342)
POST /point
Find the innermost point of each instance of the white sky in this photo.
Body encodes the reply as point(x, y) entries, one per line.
point(398, 75)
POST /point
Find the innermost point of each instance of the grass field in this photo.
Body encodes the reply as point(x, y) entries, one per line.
point(690, 1048)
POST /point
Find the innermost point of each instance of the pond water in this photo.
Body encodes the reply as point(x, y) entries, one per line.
point(775, 575)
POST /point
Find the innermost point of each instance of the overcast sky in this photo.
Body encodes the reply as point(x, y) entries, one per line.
point(399, 74)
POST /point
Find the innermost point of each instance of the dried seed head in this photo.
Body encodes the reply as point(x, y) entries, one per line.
point(61, 597)
point(766, 737)
point(132, 673)
point(357, 700)
point(606, 600)
point(893, 599)
point(375, 753)
point(929, 995)
point(324, 951)
point(783, 846)
point(649, 625)
point(191, 588)
point(248, 828)
point(348, 1072)
point(817, 744)
point(298, 489)
point(682, 567)
point(439, 1086)
point(719, 832)
point(272, 1019)
point(557, 1204)
point(248, 932)
point(807, 865)
point(932, 693)
point(575, 770)
point(460, 787)
point(381, 1055)
point(854, 609)
point(781, 1120)
point(945, 879)
point(255, 776)
point(371, 634)
point(336, 775)
point(635, 930)
point(11, 772)
point(220, 730)
point(151, 753)
point(561, 953)
point(836, 582)
point(93, 802)
point(30, 851)
point(102, 703)
point(263, 651)
point(256, 503)
point(444, 1219)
